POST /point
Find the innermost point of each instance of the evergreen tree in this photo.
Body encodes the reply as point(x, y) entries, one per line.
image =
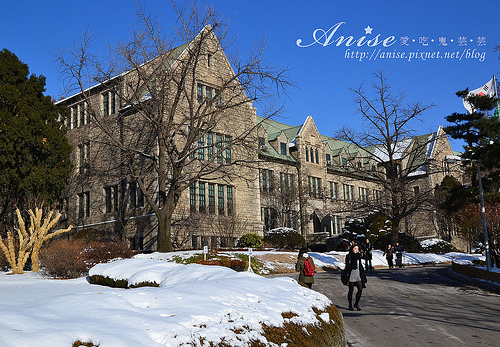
point(479, 129)
point(34, 152)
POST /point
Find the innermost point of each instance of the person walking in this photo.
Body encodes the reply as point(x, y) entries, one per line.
point(368, 255)
point(399, 255)
point(389, 255)
point(356, 274)
point(305, 266)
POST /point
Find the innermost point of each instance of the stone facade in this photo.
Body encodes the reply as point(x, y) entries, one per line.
point(331, 192)
point(288, 176)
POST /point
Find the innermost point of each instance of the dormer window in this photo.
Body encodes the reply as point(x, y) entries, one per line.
point(283, 148)
point(328, 158)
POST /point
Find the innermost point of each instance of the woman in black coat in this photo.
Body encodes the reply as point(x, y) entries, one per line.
point(368, 255)
point(356, 275)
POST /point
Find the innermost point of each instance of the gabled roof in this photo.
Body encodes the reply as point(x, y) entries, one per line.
point(274, 128)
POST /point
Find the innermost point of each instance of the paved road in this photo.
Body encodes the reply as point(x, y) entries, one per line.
point(416, 306)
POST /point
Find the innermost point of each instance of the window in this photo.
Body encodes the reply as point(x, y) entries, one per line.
point(210, 148)
point(363, 194)
point(307, 153)
point(332, 191)
point(211, 198)
point(314, 186)
point(328, 158)
point(105, 104)
point(74, 112)
point(108, 103)
point(201, 149)
point(209, 59)
point(205, 93)
point(344, 161)
point(216, 203)
point(220, 199)
point(377, 194)
point(201, 197)
point(262, 142)
point(111, 199)
point(446, 168)
point(312, 154)
point(283, 148)
point(268, 216)
point(266, 180)
point(200, 93)
point(83, 157)
point(337, 224)
point(82, 114)
point(317, 156)
point(228, 149)
point(136, 197)
point(416, 190)
point(348, 191)
point(68, 121)
point(229, 192)
point(84, 204)
point(222, 146)
point(192, 197)
point(219, 145)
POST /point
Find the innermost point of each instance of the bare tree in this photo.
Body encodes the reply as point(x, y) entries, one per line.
point(177, 121)
point(282, 198)
point(228, 229)
point(387, 153)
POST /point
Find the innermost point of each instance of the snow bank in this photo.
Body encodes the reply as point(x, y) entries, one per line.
point(193, 303)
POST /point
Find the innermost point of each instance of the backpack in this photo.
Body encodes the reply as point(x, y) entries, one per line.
point(308, 268)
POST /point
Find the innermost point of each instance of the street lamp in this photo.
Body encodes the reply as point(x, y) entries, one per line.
point(450, 159)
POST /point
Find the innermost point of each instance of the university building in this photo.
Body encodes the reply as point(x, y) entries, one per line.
point(276, 175)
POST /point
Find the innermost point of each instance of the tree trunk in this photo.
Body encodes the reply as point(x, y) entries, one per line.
point(165, 226)
point(395, 231)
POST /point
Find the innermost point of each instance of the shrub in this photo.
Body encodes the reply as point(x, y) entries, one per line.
point(102, 252)
point(114, 283)
point(4, 264)
point(250, 240)
point(71, 259)
point(409, 243)
point(64, 259)
point(440, 247)
point(284, 238)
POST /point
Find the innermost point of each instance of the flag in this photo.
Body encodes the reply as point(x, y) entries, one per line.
point(488, 89)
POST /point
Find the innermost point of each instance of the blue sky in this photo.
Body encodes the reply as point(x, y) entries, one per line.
point(323, 74)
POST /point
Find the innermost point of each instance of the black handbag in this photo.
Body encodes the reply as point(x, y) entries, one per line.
point(344, 277)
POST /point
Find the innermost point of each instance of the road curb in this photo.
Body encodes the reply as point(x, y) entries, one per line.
point(483, 284)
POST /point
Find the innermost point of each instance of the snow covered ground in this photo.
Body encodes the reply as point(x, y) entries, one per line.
point(336, 258)
point(193, 303)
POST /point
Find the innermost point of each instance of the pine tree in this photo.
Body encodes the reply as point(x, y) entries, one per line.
point(34, 152)
point(479, 129)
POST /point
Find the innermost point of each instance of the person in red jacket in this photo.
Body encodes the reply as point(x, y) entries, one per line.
point(300, 266)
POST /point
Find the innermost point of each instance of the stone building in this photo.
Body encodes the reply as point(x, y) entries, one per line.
point(334, 181)
point(273, 174)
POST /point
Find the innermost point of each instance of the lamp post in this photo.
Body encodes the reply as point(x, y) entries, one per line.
point(450, 159)
point(483, 216)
